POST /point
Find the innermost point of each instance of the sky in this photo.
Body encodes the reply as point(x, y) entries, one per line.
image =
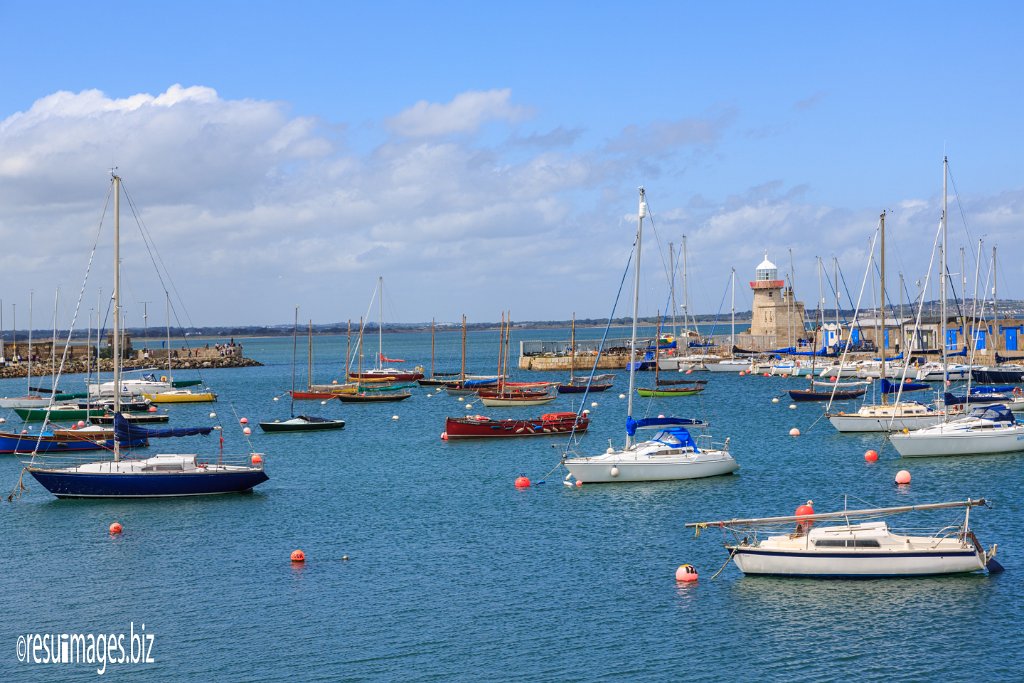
point(485, 157)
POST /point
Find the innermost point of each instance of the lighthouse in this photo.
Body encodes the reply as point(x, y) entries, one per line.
point(777, 318)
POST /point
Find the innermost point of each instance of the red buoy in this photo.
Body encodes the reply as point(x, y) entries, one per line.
point(444, 436)
point(805, 509)
point(152, 409)
point(522, 482)
point(116, 528)
point(871, 456)
point(903, 477)
point(244, 421)
point(256, 459)
point(298, 556)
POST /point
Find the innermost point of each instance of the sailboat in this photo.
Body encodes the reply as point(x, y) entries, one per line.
point(158, 476)
point(29, 400)
point(887, 416)
point(299, 423)
point(672, 452)
point(579, 385)
point(364, 394)
point(467, 385)
point(852, 548)
point(732, 363)
point(669, 388)
point(178, 395)
point(381, 373)
point(984, 430)
point(507, 394)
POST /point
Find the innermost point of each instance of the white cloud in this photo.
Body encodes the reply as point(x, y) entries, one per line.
point(254, 209)
point(466, 113)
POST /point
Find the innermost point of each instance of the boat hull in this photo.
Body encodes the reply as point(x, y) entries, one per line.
point(67, 484)
point(802, 395)
point(949, 442)
point(508, 401)
point(856, 423)
point(302, 425)
point(838, 564)
point(479, 427)
point(728, 366)
point(669, 392)
point(605, 470)
point(374, 398)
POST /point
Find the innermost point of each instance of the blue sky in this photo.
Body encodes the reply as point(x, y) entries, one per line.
point(484, 158)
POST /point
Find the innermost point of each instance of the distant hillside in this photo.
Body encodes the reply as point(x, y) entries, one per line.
point(1011, 308)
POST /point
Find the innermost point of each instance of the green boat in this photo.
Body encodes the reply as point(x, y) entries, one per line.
point(182, 383)
point(668, 392)
point(57, 414)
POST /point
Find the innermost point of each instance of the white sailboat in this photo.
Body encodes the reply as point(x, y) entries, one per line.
point(852, 548)
point(671, 453)
point(887, 416)
point(985, 430)
point(732, 363)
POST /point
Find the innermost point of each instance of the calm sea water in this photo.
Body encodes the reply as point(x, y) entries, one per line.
point(456, 575)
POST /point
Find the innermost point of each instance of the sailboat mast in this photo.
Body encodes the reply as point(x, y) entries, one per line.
point(359, 360)
point(431, 347)
point(53, 343)
point(942, 288)
point(309, 356)
point(995, 305)
point(672, 285)
point(572, 347)
point(732, 327)
point(295, 344)
point(380, 325)
point(641, 212)
point(167, 306)
point(881, 278)
point(686, 298)
point(462, 369)
point(348, 349)
point(30, 293)
point(117, 308)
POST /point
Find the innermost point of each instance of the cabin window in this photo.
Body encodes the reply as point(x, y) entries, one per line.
point(847, 543)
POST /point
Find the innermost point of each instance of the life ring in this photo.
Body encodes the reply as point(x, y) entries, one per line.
point(1017, 391)
point(163, 378)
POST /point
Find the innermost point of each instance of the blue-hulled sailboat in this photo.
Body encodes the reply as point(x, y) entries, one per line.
point(159, 476)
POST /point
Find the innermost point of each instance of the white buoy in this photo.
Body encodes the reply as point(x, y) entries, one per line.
point(394, 417)
point(792, 406)
point(593, 404)
point(277, 398)
point(469, 405)
point(213, 415)
point(323, 403)
point(614, 471)
point(247, 431)
point(775, 400)
point(794, 432)
point(461, 398)
point(3, 420)
point(622, 396)
point(429, 395)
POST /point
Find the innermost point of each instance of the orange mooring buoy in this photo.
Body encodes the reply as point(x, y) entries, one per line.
point(116, 528)
point(298, 556)
point(522, 482)
point(686, 573)
point(871, 456)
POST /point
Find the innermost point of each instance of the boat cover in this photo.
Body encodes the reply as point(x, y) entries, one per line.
point(894, 387)
point(126, 431)
point(633, 425)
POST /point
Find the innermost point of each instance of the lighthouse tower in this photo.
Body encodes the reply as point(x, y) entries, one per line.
point(777, 317)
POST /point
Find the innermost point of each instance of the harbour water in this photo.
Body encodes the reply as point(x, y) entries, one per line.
point(456, 575)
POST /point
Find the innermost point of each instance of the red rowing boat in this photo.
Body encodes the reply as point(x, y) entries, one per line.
point(479, 426)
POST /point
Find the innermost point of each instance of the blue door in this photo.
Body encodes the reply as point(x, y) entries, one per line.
point(1011, 339)
point(885, 339)
point(951, 340)
point(979, 340)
